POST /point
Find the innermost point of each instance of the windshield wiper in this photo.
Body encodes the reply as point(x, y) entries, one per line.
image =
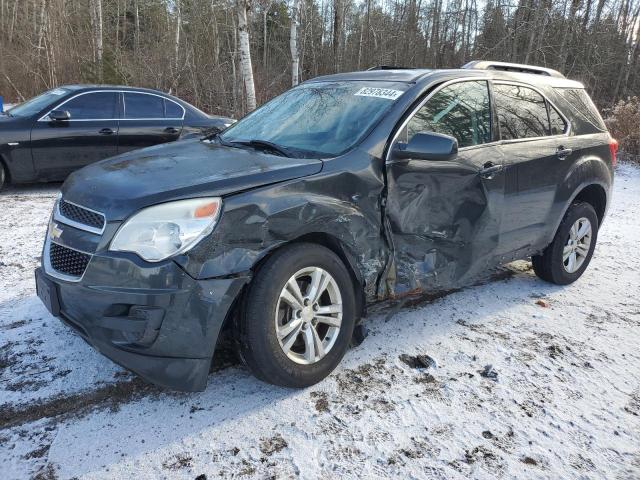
point(265, 145)
point(212, 133)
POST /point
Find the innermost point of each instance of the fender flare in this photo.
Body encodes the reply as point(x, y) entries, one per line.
point(585, 173)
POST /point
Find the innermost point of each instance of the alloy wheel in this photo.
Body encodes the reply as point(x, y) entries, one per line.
point(308, 315)
point(576, 249)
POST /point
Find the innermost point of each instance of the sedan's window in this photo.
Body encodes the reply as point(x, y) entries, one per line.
point(172, 109)
point(461, 110)
point(141, 106)
point(319, 118)
point(522, 112)
point(558, 124)
point(39, 103)
point(92, 106)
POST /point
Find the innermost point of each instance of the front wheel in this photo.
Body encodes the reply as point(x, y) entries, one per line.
point(298, 316)
point(568, 256)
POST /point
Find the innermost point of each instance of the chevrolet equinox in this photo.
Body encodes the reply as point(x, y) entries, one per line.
point(346, 190)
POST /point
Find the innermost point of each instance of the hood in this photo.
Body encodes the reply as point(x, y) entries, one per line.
point(225, 120)
point(124, 184)
point(4, 118)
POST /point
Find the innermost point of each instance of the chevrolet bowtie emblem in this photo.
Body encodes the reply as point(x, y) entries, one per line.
point(55, 232)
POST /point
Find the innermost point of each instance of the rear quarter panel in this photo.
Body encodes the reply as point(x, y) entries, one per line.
point(592, 166)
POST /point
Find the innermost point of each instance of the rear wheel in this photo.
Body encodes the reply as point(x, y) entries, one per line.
point(568, 256)
point(298, 316)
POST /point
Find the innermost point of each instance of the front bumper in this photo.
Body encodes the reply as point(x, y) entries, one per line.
point(153, 319)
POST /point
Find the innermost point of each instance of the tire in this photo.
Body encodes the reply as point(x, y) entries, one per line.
point(264, 311)
point(3, 176)
point(552, 265)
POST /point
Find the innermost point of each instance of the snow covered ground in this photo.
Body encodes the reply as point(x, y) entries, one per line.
point(512, 379)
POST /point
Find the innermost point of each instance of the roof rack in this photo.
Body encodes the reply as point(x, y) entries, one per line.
point(389, 67)
point(512, 67)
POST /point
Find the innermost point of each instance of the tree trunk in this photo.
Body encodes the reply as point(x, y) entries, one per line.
point(265, 13)
point(41, 26)
point(14, 16)
point(216, 36)
point(136, 32)
point(596, 21)
point(337, 32)
point(99, 46)
point(246, 68)
point(633, 52)
point(96, 24)
point(293, 43)
point(177, 38)
point(533, 29)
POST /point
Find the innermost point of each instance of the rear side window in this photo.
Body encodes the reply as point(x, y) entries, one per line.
point(522, 112)
point(92, 106)
point(141, 106)
point(172, 109)
point(582, 107)
point(461, 110)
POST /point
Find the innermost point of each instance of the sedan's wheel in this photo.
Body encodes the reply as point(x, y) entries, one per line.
point(3, 176)
point(298, 316)
point(568, 256)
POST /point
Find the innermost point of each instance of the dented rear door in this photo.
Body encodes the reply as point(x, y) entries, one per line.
point(445, 216)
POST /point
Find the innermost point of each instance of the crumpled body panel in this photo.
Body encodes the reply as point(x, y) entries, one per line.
point(341, 203)
point(444, 219)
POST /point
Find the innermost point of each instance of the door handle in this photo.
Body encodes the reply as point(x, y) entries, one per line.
point(106, 131)
point(171, 130)
point(563, 153)
point(489, 170)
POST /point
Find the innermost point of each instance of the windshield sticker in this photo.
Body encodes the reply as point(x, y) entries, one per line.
point(57, 91)
point(387, 93)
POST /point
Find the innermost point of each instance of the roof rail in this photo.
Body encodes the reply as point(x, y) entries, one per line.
point(389, 67)
point(512, 67)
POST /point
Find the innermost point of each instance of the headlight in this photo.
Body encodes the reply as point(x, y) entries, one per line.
point(168, 229)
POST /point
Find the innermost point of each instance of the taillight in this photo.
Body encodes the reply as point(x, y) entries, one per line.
point(613, 148)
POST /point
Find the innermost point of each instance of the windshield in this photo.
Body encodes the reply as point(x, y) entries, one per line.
point(37, 104)
point(324, 119)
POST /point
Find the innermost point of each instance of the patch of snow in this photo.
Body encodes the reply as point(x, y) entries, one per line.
point(40, 357)
point(513, 379)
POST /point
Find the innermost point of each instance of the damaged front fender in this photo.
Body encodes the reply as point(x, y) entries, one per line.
point(338, 203)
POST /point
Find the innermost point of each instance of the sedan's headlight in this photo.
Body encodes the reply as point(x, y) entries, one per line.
point(162, 231)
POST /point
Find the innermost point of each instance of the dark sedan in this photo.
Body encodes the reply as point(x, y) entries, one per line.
point(51, 135)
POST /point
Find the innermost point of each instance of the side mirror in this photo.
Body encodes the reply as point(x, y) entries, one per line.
point(59, 115)
point(427, 146)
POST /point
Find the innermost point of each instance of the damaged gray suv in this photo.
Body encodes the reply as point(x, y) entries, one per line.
point(346, 190)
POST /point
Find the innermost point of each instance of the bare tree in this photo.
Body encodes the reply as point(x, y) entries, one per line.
point(293, 43)
point(203, 48)
point(178, 28)
point(337, 32)
point(96, 24)
point(246, 67)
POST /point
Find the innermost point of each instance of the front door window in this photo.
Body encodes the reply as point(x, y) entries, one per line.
point(93, 106)
point(461, 110)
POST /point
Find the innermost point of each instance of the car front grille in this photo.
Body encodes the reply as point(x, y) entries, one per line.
point(81, 215)
point(68, 261)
